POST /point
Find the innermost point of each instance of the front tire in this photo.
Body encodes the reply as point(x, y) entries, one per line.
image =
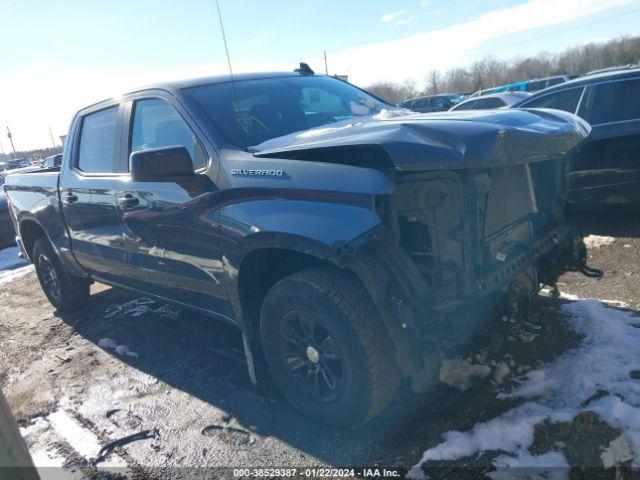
point(327, 348)
point(66, 293)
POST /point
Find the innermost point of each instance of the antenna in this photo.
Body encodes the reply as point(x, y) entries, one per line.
point(233, 80)
point(224, 40)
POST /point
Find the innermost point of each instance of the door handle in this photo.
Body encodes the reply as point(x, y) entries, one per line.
point(70, 197)
point(128, 201)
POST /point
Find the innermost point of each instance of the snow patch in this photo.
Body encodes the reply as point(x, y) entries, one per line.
point(12, 266)
point(31, 432)
point(597, 241)
point(44, 432)
point(124, 350)
point(120, 349)
point(559, 390)
point(461, 373)
point(524, 466)
point(7, 276)
point(618, 452)
point(81, 439)
point(46, 459)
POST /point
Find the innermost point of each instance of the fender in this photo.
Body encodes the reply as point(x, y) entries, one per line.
point(273, 224)
point(312, 208)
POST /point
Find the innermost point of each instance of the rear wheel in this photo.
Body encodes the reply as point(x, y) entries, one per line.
point(65, 292)
point(327, 348)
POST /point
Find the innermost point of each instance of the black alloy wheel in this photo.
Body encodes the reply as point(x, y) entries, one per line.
point(312, 356)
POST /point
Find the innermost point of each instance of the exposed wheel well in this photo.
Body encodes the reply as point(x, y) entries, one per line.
point(262, 269)
point(30, 231)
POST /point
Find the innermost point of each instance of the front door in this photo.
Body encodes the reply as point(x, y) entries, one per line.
point(88, 193)
point(171, 228)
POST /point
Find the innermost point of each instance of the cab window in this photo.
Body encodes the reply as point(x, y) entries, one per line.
point(97, 141)
point(157, 124)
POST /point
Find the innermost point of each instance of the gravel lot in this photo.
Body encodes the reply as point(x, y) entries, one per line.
point(128, 364)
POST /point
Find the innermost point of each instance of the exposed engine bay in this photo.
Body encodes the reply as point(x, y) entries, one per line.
point(474, 228)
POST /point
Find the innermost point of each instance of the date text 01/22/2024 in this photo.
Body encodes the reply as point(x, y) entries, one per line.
point(374, 472)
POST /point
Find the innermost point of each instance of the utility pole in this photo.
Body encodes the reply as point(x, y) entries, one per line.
point(10, 137)
point(53, 142)
point(326, 68)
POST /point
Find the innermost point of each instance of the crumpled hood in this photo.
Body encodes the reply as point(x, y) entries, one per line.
point(435, 141)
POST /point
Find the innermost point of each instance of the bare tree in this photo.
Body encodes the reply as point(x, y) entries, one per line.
point(433, 82)
point(392, 92)
point(457, 80)
point(492, 72)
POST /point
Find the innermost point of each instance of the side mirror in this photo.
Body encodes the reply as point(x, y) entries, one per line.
point(167, 164)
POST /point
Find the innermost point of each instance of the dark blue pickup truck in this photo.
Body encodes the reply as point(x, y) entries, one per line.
point(355, 245)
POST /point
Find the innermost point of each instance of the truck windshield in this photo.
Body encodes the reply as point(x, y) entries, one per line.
point(259, 110)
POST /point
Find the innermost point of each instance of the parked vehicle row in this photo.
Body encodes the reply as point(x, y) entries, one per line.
point(14, 163)
point(529, 86)
point(432, 103)
point(487, 102)
point(606, 170)
point(355, 247)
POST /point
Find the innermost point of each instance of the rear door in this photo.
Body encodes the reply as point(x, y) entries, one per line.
point(608, 169)
point(171, 229)
point(87, 192)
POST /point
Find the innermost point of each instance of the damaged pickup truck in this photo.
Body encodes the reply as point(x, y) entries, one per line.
point(354, 245)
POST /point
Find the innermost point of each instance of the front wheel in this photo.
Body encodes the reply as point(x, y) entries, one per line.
point(327, 348)
point(65, 292)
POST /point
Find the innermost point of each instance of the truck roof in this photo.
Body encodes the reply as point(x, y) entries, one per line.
point(176, 85)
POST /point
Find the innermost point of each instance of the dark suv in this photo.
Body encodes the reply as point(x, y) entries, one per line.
point(606, 171)
point(434, 103)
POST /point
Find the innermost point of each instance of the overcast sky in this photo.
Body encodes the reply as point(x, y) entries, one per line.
point(60, 56)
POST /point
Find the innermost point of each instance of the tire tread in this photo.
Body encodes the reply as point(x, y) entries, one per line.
point(75, 291)
point(353, 300)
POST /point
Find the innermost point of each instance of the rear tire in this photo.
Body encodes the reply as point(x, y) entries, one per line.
point(66, 293)
point(327, 348)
